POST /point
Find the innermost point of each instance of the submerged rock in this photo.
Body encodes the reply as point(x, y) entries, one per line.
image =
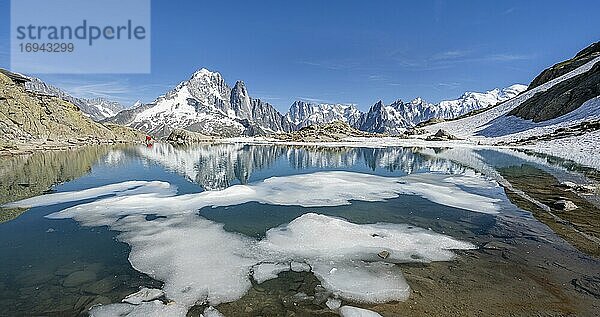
point(79, 278)
point(497, 245)
point(83, 302)
point(102, 286)
point(588, 284)
point(99, 300)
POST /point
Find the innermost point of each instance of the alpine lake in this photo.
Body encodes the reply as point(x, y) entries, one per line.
point(278, 230)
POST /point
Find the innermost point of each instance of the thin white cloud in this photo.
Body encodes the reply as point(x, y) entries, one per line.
point(449, 55)
point(507, 57)
point(311, 99)
point(509, 11)
point(451, 85)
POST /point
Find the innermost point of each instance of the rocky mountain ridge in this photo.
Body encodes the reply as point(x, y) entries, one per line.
point(30, 121)
point(206, 104)
point(95, 108)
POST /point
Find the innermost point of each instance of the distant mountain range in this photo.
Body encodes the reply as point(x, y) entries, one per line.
point(96, 109)
point(206, 104)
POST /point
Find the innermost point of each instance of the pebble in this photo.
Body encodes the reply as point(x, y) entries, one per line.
point(333, 303)
point(383, 254)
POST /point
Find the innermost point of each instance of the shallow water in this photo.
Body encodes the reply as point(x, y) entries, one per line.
point(60, 267)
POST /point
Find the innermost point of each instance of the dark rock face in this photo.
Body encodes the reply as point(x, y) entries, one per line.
point(382, 119)
point(561, 98)
point(565, 205)
point(562, 68)
point(267, 116)
point(182, 136)
point(302, 114)
point(441, 135)
point(240, 101)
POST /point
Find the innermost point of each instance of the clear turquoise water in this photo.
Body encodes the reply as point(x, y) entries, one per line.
point(37, 254)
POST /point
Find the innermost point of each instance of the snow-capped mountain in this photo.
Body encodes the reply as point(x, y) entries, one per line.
point(384, 119)
point(96, 109)
point(101, 108)
point(418, 110)
point(396, 117)
point(205, 104)
point(303, 114)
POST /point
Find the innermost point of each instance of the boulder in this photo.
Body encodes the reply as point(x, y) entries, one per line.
point(441, 135)
point(564, 204)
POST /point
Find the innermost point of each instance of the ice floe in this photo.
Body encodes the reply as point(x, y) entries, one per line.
point(146, 309)
point(119, 189)
point(351, 311)
point(202, 264)
point(299, 267)
point(267, 271)
point(360, 281)
point(333, 188)
point(143, 295)
point(319, 237)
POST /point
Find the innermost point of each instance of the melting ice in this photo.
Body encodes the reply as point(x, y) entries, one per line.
point(201, 263)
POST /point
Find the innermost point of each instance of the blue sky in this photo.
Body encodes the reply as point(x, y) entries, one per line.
point(347, 51)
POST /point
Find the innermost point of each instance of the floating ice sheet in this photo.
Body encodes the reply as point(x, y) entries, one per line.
point(268, 271)
point(146, 309)
point(199, 262)
point(359, 281)
point(313, 236)
point(351, 311)
point(318, 189)
point(143, 295)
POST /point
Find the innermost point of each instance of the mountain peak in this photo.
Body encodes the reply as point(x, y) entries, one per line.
point(240, 86)
point(418, 101)
point(203, 72)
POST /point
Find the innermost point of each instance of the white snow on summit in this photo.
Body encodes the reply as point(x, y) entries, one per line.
point(206, 104)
